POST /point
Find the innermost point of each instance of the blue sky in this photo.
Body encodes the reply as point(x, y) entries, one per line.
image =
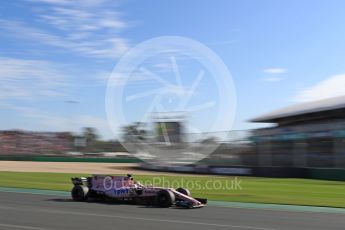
point(56, 55)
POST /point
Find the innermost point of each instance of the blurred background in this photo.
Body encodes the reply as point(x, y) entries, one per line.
point(302, 140)
point(286, 60)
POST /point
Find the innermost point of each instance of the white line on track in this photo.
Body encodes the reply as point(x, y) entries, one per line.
point(22, 227)
point(133, 218)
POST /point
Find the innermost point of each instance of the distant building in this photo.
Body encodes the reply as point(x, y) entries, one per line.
point(304, 135)
point(169, 127)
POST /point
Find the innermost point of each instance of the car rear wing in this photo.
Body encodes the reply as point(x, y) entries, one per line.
point(80, 181)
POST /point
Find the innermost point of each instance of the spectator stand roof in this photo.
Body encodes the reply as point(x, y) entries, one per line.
point(303, 109)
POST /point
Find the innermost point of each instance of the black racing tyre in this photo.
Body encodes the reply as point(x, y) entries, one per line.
point(80, 193)
point(184, 191)
point(165, 198)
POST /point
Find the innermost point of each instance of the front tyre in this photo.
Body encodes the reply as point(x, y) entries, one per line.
point(184, 191)
point(165, 198)
point(80, 193)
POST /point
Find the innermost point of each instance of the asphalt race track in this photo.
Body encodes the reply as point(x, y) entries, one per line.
point(40, 212)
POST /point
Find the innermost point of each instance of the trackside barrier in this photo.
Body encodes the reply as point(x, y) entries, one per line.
point(278, 172)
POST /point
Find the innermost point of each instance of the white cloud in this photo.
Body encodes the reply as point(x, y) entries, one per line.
point(59, 2)
point(72, 2)
point(273, 79)
point(273, 74)
point(89, 27)
point(65, 18)
point(331, 87)
point(274, 70)
point(28, 79)
point(100, 48)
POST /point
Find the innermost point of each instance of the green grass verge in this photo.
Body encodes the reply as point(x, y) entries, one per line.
point(217, 188)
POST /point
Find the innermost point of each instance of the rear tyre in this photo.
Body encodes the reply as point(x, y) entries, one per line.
point(165, 198)
point(80, 193)
point(184, 191)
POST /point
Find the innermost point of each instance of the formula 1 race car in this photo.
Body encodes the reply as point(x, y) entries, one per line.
point(124, 188)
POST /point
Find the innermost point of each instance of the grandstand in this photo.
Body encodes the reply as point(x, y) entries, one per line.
point(309, 134)
point(15, 142)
